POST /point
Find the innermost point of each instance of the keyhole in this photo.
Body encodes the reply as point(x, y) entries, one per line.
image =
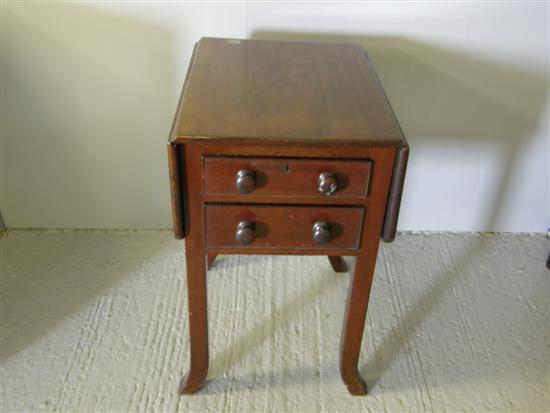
point(288, 169)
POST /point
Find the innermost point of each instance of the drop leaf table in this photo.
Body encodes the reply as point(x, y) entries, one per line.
point(284, 148)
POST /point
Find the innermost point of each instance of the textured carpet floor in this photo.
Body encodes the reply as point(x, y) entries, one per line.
point(96, 322)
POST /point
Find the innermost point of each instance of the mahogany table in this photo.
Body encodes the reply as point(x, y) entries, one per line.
point(284, 148)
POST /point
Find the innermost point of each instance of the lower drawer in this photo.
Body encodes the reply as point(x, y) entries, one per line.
point(247, 226)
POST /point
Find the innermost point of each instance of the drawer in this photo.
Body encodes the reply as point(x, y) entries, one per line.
point(291, 177)
point(245, 226)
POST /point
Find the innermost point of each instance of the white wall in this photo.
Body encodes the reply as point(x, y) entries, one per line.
point(89, 90)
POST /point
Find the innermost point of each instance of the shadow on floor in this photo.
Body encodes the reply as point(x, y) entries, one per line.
point(107, 57)
point(45, 280)
point(444, 98)
point(253, 338)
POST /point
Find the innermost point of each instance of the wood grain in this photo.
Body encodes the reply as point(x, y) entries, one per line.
point(176, 192)
point(283, 226)
point(396, 191)
point(285, 92)
point(210, 258)
point(287, 177)
point(361, 281)
point(290, 238)
point(338, 264)
point(176, 167)
point(196, 275)
point(274, 121)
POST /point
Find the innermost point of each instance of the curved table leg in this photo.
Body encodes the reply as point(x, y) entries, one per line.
point(198, 321)
point(354, 322)
point(337, 263)
point(195, 257)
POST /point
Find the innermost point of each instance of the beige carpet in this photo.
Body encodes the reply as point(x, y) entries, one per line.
point(96, 322)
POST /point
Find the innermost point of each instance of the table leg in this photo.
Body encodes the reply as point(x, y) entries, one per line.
point(354, 322)
point(338, 264)
point(198, 320)
point(210, 260)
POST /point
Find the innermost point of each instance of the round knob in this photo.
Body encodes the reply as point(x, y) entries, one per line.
point(246, 181)
point(327, 183)
point(321, 232)
point(245, 232)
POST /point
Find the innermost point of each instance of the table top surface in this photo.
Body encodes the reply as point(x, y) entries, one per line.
point(284, 92)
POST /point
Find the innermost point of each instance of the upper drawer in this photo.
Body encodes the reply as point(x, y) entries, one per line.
point(286, 177)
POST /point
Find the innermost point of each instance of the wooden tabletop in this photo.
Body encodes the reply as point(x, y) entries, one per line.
point(284, 92)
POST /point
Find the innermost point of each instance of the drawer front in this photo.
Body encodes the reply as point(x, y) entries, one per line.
point(292, 177)
point(244, 226)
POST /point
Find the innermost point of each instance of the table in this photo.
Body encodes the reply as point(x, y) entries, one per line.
point(284, 148)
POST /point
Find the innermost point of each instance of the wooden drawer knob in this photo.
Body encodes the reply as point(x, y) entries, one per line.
point(246, 181)
point(327, 183)
point(245, 232)
point(321, 232)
